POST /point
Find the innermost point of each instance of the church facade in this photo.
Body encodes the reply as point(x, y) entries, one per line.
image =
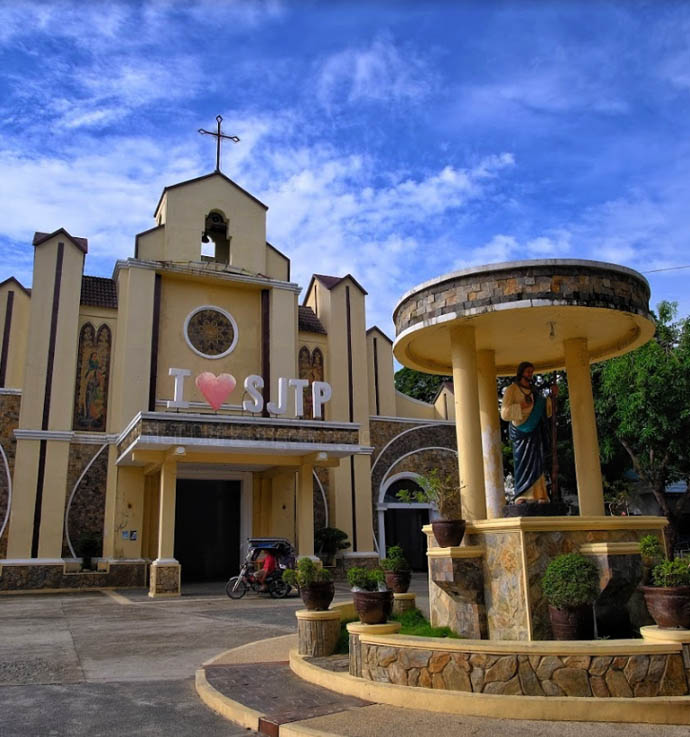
point(155, 420)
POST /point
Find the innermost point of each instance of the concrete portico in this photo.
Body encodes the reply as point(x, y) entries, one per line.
point(282, 452)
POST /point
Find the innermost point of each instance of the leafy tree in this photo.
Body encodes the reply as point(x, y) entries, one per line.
point(643, 403)
point(419, 385)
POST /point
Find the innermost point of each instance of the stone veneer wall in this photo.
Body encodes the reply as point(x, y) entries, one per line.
point(455, 600)
point(602, 676)
point(480, 291)
point(319, 509)
point(9, 414)
point(409, 438)
point(119, 575)
point(271, 431)
point(86, 513)
point(542, 547)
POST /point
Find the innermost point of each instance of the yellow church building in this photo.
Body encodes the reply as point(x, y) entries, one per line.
point(159, 418)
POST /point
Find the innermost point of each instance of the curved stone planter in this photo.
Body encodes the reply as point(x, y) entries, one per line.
point(600, 669)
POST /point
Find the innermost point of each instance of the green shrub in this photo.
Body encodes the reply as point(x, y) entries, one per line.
point(651, 549)
point(570, 580)
point(89, 545)
point(329, 540)
point(366, 579)
point(395, 561)
point(672, 573)
point(307, 573)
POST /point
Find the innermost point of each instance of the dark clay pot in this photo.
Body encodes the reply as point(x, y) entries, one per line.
point(373, 607)
point(448, 532)
point(572, 623)
point(399, 582)
point(668, 606)
point(318, 595)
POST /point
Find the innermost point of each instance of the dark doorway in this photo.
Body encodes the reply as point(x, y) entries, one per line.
point(207, 529)
point(404, 528)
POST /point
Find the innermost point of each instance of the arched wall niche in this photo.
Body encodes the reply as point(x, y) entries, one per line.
point(92, 379)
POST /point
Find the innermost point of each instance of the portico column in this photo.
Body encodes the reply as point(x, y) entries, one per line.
point(165, 570)
point(467, 424)
point(590, 490)
point(491, 434)
point(305, 510)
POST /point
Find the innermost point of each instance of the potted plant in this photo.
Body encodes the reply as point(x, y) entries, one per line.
point(328, 541)
point(88, 547)
point(314, 582)
point(668, 594)
point(570, 586)
point(652, 553)
point(445, 496)
point(396, 570)
point(372, 599)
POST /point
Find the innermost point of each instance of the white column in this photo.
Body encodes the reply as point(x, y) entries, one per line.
point(590, 489)
point(467, 423)
point(491, 434)
point(305, 510)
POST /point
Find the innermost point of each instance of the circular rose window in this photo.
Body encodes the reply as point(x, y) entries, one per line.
point(210, 331)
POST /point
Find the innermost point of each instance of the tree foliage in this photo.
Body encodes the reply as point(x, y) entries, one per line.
point(643, 403)
point(419, 385)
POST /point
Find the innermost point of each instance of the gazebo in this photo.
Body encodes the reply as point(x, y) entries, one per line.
point(477, 324)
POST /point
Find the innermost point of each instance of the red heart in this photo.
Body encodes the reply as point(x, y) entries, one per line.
point(216, 389)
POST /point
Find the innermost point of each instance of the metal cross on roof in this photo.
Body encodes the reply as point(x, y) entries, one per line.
point(218, 135)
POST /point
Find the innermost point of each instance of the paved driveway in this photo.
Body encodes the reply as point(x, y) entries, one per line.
point(121, 664)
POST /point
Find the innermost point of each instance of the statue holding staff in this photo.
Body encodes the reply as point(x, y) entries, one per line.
point(526, 410)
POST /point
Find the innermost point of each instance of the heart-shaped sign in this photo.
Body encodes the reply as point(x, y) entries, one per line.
point(216, 389)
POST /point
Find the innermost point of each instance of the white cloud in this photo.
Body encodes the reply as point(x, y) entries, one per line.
point(502, 247)
point(380, 72)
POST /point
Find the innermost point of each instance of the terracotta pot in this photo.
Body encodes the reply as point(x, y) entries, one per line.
point(572, 623)
point(373, 607)
point(399, 582)
point(448, 532)
point(318, 595)
point(668, 606)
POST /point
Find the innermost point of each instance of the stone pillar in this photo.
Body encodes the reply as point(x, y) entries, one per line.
point(305, 510)
point(317, 632)
point(491, 433)
point(165, 570)
point(585, 442)
point(404, 602)
point(467, 424)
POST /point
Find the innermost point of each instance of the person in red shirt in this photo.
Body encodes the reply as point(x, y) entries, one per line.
point(270, 564)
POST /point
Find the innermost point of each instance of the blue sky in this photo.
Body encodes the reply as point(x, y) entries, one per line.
point(393, 140)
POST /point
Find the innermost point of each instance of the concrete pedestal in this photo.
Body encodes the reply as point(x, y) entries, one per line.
point(404, 602)
point(490, 587)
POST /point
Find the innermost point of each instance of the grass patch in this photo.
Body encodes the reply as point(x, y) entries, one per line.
point(343, 645)
point(412, 622)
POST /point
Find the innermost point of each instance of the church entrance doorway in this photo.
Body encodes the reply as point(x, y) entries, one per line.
point(401, 524)
point(207, 529)
point(404, 528)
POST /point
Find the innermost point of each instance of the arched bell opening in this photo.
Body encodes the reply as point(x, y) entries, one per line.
point(215, 241)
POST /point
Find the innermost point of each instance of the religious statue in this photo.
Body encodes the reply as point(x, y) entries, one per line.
point(526, 410)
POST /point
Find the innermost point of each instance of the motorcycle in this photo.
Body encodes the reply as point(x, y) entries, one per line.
point(246, 580)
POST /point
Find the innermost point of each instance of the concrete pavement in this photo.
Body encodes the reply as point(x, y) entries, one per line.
point(114, 663)
point(100, 664)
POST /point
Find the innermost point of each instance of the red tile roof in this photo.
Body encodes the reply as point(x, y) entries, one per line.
point(309, 322)
point(98, 291)
point(81, 243)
